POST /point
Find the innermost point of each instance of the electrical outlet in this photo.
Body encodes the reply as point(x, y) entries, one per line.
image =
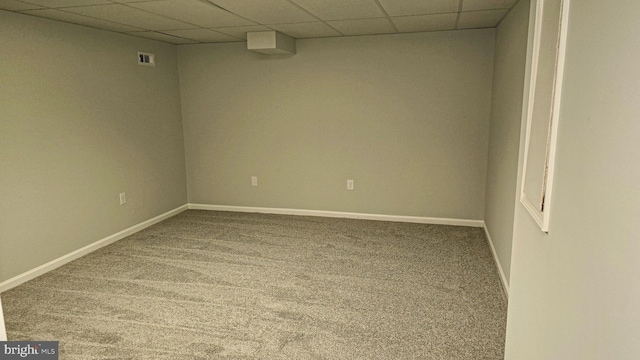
point(123, 198)
point(254, 181)
point(349, 184)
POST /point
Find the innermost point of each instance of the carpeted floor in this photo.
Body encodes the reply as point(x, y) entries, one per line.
point(221, 285)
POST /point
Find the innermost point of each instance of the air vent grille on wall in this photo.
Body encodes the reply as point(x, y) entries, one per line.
point(147, 59)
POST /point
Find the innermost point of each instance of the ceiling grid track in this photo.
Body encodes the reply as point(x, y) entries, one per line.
point(386, 14)
point(320, 20)
point(459, 13)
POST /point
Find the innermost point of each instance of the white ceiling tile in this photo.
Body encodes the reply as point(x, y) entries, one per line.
point(306, 30)
point(363, 26)
point(341, 9)
point(267, 12)
point(161, 37)
point(480, 19)
point(66, 3)
point(419, 23)
point(13, 5)
point(472, 5)
point(130, 16)
point(419, 7)
point(81, 20)
point(241, 31)
point(194, 12)
point(202, 35)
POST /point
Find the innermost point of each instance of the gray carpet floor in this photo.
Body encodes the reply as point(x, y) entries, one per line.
point(222, 285)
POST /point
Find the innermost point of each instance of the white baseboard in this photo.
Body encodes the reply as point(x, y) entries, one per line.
point(503, 278)
point(336, 214)
point(3, 331)
point(53, 264)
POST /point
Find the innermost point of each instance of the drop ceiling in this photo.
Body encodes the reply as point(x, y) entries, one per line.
point(211, 21)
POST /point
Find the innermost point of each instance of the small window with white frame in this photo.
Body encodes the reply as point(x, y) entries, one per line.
point(145, 58)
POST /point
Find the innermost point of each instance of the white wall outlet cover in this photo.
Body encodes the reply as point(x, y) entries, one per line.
point(349, 184)
point(123, 198)
point(254, 181)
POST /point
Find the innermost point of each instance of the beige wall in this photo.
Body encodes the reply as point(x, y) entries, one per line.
point(504, 139)
point(80, 123)
point(575, 292)
point(405, 116)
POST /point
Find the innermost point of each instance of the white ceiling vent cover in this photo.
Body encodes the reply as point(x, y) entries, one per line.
point(271, 43)
point(147, 59)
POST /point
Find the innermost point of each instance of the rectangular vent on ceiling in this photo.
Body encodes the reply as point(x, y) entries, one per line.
point(271, 43)
point(147, 59)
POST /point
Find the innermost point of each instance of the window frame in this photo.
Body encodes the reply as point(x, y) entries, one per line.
point(541, 213)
